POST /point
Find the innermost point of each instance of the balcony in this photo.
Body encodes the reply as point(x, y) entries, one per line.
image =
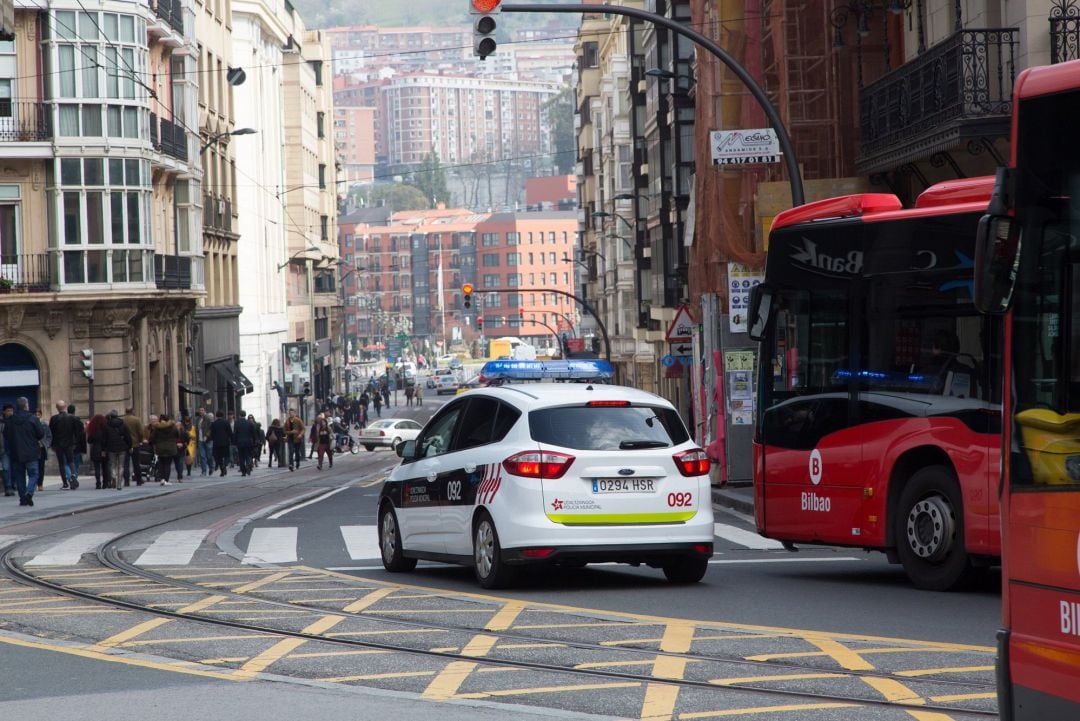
point(173, 140)
point(25, 122)
point(172, 272)
point(171, 13)
point(26, 273)
point(217, 213)
point(957, 92)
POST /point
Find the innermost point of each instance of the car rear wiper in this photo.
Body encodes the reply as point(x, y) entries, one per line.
point(633, 445)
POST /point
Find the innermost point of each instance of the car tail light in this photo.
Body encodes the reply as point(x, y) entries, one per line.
point(607, 404)
point(537, 552)
point(692, 463)
point(538, 464)
point(703, 548)
point(382, 433)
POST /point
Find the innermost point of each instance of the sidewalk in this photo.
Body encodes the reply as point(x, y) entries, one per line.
point(738, 497)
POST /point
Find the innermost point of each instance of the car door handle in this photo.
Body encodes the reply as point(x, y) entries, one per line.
point(470, 467)
point(432, 476)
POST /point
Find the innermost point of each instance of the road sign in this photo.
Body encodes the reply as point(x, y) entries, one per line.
point(681, 348)
point(682, 328)
point(393, 349)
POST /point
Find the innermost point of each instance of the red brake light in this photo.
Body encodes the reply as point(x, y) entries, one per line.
point(538, 464)
point(382, 433)
point(692, 463)
point(537, 552)
point(607, 404)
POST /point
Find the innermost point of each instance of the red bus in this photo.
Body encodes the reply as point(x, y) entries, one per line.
point(1028, 267)
point(878, 419)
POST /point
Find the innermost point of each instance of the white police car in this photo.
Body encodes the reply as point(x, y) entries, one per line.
point(569, 473)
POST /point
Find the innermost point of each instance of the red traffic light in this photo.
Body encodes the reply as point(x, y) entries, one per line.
point(485, 6)
point(467, 289)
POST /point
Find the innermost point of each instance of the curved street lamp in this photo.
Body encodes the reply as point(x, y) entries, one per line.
point(218, 136)
point(309, 249)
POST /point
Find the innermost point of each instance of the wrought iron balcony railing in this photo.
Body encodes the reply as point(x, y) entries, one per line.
point(26, 273)
point(24, 121)
point(1064, 31)
point(172, 272)
point(172, 12)
point(957, 90)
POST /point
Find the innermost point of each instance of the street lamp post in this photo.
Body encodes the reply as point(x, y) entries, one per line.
point(218, 136)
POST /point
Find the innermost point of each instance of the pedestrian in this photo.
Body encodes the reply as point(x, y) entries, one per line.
point(165, 439)
point(95, 437)
point(181, 451)
point(409, 390)
point(191, 444)
point(80, 443)
point(244, 440)
point(294, 432)
point(5, 457)
point(376, 401)
point(23, 436)
point(365, 401)
point(202, 441)
point(260, 440)
point(386, 394)
point(234, 453)
point(137, 434)
point(418, 395)
point(62, 442)
point(321, 437)
point(117, 448)
point(274, 443)
point(221, 437)
point(43, 451)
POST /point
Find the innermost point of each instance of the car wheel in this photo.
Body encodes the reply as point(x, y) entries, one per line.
point(394, 444)
point(370, 448)
point(690, 569)
point(488, 565)
point(393, 558)
point(929, 529)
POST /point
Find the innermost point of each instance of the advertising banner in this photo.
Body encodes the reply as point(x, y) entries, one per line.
point(296, 367)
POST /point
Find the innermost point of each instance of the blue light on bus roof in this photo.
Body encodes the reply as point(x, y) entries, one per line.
point(522, 370)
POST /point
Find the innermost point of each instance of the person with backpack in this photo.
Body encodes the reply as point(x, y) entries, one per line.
point(275, 437)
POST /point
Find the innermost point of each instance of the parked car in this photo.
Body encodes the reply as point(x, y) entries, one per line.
point(446, 381)
point(388, 432)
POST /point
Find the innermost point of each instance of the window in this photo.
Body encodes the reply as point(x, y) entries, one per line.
point(513, 238)
point(320, 124)
point(513, 259)
point(478, 423)
point(324, 227)
point(322, 176)
point(317, 67)
point(489, 240)
point(607, 429)
point(491, 260)
point(437, 439)
point(5, 98)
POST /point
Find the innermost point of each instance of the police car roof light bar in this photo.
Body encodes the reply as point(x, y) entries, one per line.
point(522, 370)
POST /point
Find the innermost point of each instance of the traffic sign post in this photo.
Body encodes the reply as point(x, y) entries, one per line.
point(682, 327)
point(680, 348)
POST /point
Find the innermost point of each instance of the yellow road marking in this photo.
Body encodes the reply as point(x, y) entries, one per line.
point(963, 697)
point(89, 652)
point(929, 715)
point(936, 671)
point(446, 684)
point(546, 689)
point(612, 664)
point(260, 583)
point(505, 617)
point(368, 599)
point(643, 619)
point(660, 698)
point(861, 652)
point(285, 646)
point(765, 709)
point(840, 653)
point(779, 677)
point(377, 676)
point(204, 639)
point(377, 481)
point(479, 645)
point(133, 632)
point(893, 690)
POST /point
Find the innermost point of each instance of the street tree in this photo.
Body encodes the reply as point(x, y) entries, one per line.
point(430, 179)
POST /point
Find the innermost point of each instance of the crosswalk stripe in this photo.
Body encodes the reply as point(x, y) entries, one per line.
point(361, 541)
point(272, 545)
point(745, 538)
point(172, 548)
point(68, 553)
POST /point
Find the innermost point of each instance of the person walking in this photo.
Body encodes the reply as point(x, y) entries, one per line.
point(80, 443)
point(203, 445)
point(116, 443)
point(137, 434)
point(221, 437)
point(5, 457)
point(191, 444)
point(376, 400)
point(95, 437)
point(322, 436)
point(294, 432)
point(62, 430)
point(409, 391)
point(43, 451)
point(23, 434)
point(275, 437)
point(165, 439)
point(260, 441)
point(418, 395)
point(244, 440)
point(181, 451)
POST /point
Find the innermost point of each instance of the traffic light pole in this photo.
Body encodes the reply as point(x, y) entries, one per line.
point(581, 301)
point(90, 389)
point(798, 196)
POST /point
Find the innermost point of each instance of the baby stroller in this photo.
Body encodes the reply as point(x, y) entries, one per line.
point(145, 461)
point(343, 440)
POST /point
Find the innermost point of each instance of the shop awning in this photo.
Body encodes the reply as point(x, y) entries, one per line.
point(193, 389)
point(228, 370)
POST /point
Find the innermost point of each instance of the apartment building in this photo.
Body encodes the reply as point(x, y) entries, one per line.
point(354, 139)
point(100, 195)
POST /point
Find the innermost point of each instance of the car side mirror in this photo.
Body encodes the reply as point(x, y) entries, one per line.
point(760, 311)
point(997, 249)
point(407, 451)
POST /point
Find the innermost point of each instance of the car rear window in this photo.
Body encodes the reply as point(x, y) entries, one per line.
point(607, 428)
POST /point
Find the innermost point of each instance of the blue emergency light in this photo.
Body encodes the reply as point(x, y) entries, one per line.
point(550, 370)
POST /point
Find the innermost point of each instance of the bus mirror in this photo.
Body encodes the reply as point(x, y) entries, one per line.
point(997, 250)
point(760, 311)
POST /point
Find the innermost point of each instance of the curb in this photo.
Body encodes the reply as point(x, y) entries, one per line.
point(735, 499)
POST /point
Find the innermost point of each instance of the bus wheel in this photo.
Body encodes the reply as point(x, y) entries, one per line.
point(930, 531)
